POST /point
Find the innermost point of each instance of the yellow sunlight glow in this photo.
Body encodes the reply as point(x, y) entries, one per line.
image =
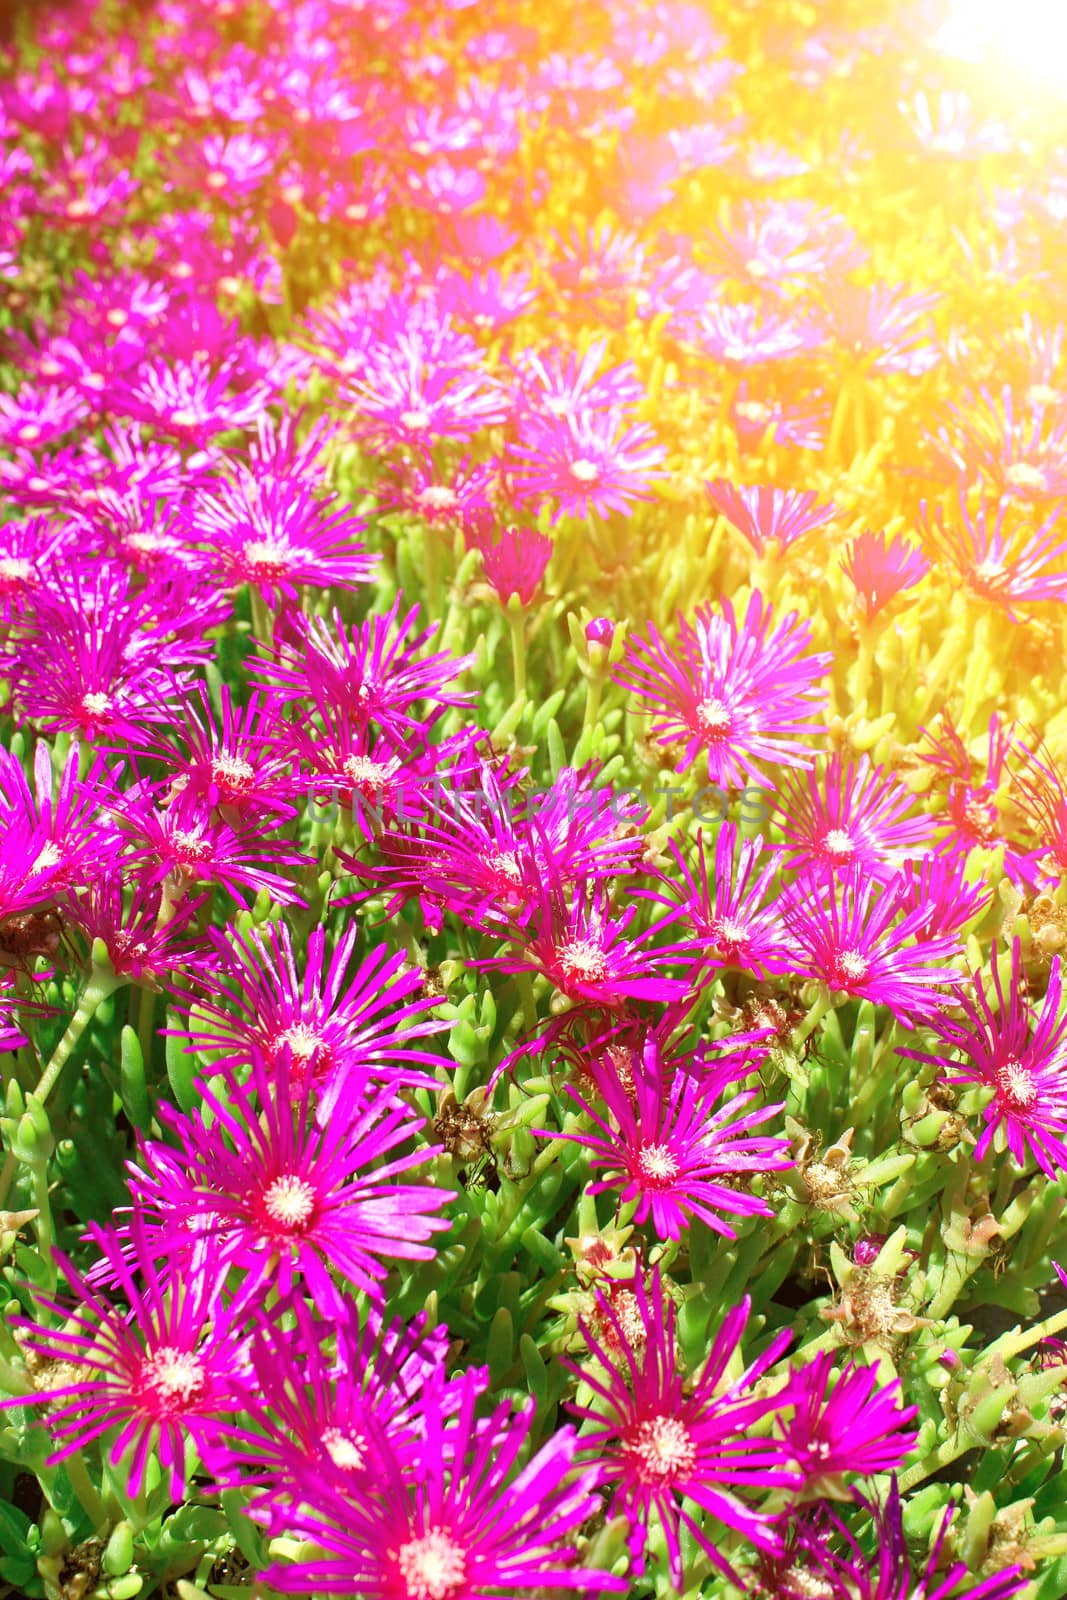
point(1028, 38)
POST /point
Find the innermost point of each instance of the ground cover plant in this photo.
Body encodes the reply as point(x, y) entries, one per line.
point(533, 800)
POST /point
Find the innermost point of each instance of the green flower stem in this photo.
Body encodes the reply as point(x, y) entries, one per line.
point(816, 1011)
point(524, 983)
point(843, 407)
point(594, 685)
point(507, 1216)
point(976, 672)
point(44, 1224)
point(261, 618)
point(861, 681)
point(146, 1016)
point(86, 1491)
point(517, 628)
point(7, 1175)
point(102, 983)
point(958, 1268)
point(731, 384)
point(431, 557)
point(868, 1097)
point(1013, 1344)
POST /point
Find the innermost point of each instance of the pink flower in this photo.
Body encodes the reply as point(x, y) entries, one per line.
point(879, 568)
point(276, 534)
point(1005, 564)
point(733, 911)
point(586, 461)
point(855, 817)
point(461, 1522)
point(580, 945)
point(767, 517)
point(514, 562)
point(669, 1149)
point(1017, 1052)
point(661, 1439)
point(161, 1373)
point(858, 1426)
point(265, 1188)
point(332, 1019)
point(849, 936)
point(741, 691)
point(375, 671)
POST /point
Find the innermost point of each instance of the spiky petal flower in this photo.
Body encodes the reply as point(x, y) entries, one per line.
point(284, 1198)
point(668, 1148)
point(744, 692)
point(822, 1558)
point(879, 568)
point(588, 462)
point(1041, 790)
point(579, 943)
point(185, 843)
point(335, 1021)
point(731, 910)
point(162, 1372)
point(328, 1393)
point(973, 817)
point(1018, 1053)
point(850, 817)
point(661, 1439)
point(277, 534)
point(1000, 559)
point(514, 561)
point(464, 1524)
point(850, 938)
point(11, 1035)
point(855, 1426)
point(769, 517)
point(376, 671)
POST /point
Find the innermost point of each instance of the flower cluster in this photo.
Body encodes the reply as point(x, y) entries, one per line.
point(435, 1166)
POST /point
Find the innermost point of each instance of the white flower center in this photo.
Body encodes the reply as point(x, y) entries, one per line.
point(713, 717)
point(852, 967)
point(289, 1201)
point(583, 960)
point(839, 844)
point(505, 866)
point(303, 1040)
point(1015, 1084)
point(191, 846)
point(661, 1450)
point(1041, 395)
point(585, 471)
point(233, 771)
point(1021, 475)
point(47, 857)
point(366, 774)
point(347, 1451)
point(96, 703)
point(728, 931)
point(265, 558)
point(174, 1374)
point(186, 416)
point(415, 420)
point(437, 497)
point(657, 1165)
point(433, 1567)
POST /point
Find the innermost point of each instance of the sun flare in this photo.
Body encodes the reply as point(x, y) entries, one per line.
point(1027, 38)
